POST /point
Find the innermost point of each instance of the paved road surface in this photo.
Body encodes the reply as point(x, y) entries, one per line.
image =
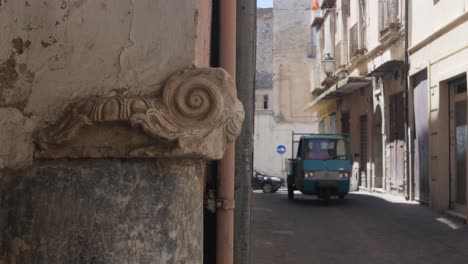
point(361, 229)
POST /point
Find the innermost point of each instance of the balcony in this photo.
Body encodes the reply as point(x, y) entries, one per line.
point(338, 89)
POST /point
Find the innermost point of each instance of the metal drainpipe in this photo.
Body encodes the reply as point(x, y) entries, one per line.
point(245, 73)
point(409, 182)
point(225, 193)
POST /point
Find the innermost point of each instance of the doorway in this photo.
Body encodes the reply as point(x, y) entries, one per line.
point(458, 145)
point(363, 148)
point(421, 139)
point(333, 123)
point(396, 144)
point(345, 123)
point(378, 149)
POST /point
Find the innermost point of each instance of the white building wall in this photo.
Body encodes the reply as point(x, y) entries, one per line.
point(372, 23)
point(354, 8)
point(427, 17)
point(268, 135)
point(444, 57)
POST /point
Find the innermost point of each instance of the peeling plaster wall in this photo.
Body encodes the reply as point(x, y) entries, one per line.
point(15, 137)
point(54, 51)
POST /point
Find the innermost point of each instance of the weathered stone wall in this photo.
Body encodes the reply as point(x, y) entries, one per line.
point(54, 51)
point(83, 82)
point(292, 66)
point(264, 63)
point(103, 211)
point(268, 135)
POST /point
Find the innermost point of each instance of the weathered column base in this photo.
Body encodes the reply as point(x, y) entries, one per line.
point(103, 211)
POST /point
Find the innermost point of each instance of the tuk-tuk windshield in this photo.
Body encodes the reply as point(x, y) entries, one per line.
point(325, 149)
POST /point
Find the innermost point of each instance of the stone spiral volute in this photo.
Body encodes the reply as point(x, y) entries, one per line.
point(197, 102)
point(197, 114)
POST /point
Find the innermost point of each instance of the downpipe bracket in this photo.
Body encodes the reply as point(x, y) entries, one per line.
point(212, 203)
point(226, 204)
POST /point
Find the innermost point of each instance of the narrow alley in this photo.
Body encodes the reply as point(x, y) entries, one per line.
point(363, 228)
point(187, 131)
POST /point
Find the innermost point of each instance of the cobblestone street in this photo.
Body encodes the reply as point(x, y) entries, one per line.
point(364, 228)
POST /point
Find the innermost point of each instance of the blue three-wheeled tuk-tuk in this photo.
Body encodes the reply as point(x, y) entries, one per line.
point(322, 165)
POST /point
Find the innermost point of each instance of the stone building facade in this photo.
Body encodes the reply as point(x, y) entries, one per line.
point(292, 65)
point(264, 55)
point(399, 89)
point(363, 95)
point(283, 82)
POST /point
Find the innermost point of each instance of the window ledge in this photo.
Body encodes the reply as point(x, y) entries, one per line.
point(392, 31)
point(357, 54)
point(264, 111)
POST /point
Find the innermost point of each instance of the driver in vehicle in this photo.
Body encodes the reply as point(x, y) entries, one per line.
point(314, 151)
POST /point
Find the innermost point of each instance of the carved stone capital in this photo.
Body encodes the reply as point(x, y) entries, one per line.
point(197, 114)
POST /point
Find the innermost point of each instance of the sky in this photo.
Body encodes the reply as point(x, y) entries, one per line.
point(264, 3)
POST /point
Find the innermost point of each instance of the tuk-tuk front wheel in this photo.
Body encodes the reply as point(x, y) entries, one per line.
point(290, 192)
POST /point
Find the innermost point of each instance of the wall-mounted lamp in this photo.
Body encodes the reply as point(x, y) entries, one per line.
point(328, 64)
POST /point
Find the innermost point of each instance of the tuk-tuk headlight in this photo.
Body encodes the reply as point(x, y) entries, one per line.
point(344, 175)
point(308, 175)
